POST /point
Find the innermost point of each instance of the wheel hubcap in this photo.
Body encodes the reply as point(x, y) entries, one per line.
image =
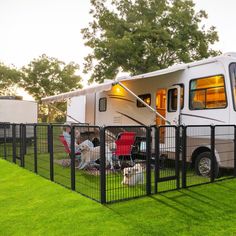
point(204, 166)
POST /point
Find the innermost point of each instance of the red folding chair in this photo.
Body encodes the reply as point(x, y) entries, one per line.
point(124, 145)
point(67, 150)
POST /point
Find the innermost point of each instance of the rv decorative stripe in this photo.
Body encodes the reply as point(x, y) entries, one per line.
point(120, 98)
point(131, 118)
point(203, 117)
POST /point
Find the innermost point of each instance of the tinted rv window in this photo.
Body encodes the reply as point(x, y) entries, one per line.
point(102, 104)
point(207, 93)
point(146, 98)
point(172, 100)
point(232, 71)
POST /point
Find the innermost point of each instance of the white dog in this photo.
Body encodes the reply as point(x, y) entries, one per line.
point(133, 175)
point(89, 154)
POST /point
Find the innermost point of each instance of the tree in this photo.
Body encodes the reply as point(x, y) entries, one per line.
point(47, 76)
point(9, 78)
point(140, 36)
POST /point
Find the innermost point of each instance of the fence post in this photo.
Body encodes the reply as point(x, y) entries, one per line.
point(177, 149)
point(157, 160)
point(148, 160)
point(35, 150)
point(5, 141)
point(14, 143)
point(72, 157)
point(22, 145)
point(102, 166)
point(184, 147)
point(48, 136)
point(24, 140)
point(234, 150)
point(213, 161)
point(50, 146)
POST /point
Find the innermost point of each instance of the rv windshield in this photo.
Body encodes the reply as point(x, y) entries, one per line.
point(232, 72)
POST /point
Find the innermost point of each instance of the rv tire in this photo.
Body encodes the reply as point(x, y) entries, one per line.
point(203, 165)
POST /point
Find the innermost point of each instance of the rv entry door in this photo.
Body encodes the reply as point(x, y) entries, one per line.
point(173, 104)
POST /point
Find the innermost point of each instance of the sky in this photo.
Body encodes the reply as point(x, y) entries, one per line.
point(30, 28)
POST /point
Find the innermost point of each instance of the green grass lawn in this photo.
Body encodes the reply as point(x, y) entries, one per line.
point(32, 205)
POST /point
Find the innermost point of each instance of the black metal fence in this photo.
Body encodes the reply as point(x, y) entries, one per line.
point(115, 163)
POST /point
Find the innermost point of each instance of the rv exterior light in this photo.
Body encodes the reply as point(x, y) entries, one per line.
point(118, 89)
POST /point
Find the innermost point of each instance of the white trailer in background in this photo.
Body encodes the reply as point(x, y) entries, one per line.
point(15, 110)
point(197, 93)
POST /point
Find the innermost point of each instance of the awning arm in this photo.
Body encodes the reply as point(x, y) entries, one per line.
point(144, 103)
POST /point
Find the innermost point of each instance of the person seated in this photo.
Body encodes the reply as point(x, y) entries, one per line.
point(67, 136)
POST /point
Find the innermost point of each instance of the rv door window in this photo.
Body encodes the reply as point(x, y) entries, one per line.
point(232, 71)
point(102, 104)
point(207, 93)
point(172, 100)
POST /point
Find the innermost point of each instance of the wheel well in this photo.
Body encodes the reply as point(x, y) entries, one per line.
point(196, 152)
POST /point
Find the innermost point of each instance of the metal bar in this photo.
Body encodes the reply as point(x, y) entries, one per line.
point(184, 147)
point(167, 178)
point(48, 136)
point(35, 150)
point(102, 166)
point(22, 145)
point(5, 141)
point(177, 151)
point(72, 157)
point(148, 161)
point(234, 150)
point(14, 143)
point(213, 160)
point(50, 145)
point(144, 103)
point(157, 162)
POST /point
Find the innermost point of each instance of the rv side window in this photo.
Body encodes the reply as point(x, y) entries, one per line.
point(232, 71)
point(102, 104)
point(172, 100)
point(146, 98)
point(207, 93)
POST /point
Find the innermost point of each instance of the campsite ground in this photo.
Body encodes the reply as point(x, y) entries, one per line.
point(32, 205)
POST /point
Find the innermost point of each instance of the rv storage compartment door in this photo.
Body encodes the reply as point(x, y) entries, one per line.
point(173, 105)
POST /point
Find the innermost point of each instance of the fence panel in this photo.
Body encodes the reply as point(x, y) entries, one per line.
point(61, 159)
point(28, 146)
point(166, 158)
point(127, 158)
point(198, 145)
point(43, 155)
point(225, 150)
point(85, 168)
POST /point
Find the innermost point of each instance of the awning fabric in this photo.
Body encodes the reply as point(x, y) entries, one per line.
point(79, 92)
point(106, 86)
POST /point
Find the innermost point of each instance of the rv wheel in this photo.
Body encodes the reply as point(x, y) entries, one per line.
point(203, 165)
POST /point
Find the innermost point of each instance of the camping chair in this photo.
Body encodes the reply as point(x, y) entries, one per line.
point(67, 150)
point(124, 145)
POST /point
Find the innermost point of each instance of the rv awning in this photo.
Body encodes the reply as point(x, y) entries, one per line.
point(79, 92)
point(169, 70)
point(108, 85)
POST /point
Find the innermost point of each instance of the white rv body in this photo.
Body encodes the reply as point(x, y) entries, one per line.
point(122, 107)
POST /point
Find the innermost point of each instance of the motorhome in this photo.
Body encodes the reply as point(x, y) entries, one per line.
point(202, 92)
point(196, 93)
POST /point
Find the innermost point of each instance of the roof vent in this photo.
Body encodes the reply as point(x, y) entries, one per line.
point(230, 54)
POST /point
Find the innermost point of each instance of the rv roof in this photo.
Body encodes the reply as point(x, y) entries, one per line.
point(107, 85)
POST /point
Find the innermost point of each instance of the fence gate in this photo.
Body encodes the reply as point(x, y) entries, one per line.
point(165, 158)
